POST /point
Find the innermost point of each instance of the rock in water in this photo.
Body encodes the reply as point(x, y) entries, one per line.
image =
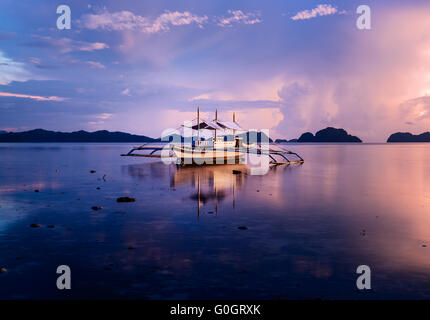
point(93, 171)
point(243, 228)
point(95, 208)
point(3, 270)
point(125, 199)
point(35, 225)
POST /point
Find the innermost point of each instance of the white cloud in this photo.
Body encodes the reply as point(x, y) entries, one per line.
point(11, 70)
point(204, 96)
point(93, 46)
point(126, 20)
point(66, 45)
point(320, 10)
point(95, 64)
point(126, 92)
point(238, 16)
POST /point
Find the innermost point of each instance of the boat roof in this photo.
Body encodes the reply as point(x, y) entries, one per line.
point(214, 125)
point(210, 128)
point(228, 125)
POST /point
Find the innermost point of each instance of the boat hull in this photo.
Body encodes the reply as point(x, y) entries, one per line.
point(202, 155)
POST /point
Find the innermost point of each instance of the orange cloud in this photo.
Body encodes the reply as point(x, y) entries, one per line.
point(26, 96)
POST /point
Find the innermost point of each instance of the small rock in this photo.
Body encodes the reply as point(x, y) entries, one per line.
point(93, 171)
point(95, 208)
point(243, 228)
point(36, 190)
point(3, 270)
point(131, 248)
point(35, 225)
point(237, 172)
point(98, 188)
point(258, 190)
point(125, 199)
point(51, 226)
point(424, 246)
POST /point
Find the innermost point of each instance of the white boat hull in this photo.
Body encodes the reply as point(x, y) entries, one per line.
point(206, 155)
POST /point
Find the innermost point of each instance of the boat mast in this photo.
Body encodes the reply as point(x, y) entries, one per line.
point(216, 120)
point(234, 121)
point(198, 126)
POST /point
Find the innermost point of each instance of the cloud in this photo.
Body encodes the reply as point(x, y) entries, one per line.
point(320, 10)
point(416, 110)
point(26, 96)
point(126, 92)
point(11, 70)
point(95, 64)
point(238, 16)
point(101, 117)
point(91, 64)
point(65, 45)
point(126, 20)
point(34, 60)
point(204, 96)
point(104, 116)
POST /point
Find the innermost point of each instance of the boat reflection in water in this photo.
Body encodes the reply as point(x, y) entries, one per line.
point(212, 184)
point(208, 186)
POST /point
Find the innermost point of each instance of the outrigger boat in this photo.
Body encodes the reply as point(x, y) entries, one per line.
point(218, 142)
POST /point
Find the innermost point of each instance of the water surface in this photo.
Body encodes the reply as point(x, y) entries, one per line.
point(304, 228)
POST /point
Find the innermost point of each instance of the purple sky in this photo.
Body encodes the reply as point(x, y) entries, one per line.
point(145, 66)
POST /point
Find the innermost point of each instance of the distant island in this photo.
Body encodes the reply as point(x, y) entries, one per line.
point(409, 137)
point(328, 134)
point(40, 135)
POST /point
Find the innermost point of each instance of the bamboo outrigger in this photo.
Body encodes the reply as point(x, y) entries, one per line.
point(217, 148)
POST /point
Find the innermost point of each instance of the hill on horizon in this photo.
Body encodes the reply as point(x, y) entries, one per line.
point(409, 137)
point(41, 135)
point(329, 134)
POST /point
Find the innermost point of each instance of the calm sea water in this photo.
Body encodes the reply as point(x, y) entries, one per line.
point(308, 226)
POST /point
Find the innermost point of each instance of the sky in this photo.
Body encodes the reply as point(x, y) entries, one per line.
point(289, 66)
